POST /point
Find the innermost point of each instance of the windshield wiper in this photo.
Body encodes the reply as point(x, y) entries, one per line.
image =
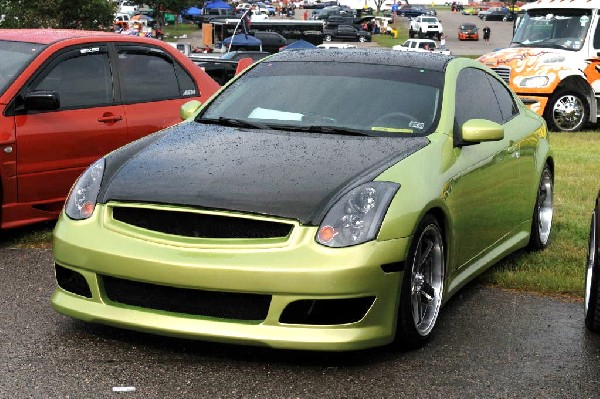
point(322, 129)
point(234, 122)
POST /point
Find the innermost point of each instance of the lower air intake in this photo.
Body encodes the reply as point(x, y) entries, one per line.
point(222, 305)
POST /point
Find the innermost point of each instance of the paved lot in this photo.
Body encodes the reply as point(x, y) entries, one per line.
point(489, 344)
point(500, 37)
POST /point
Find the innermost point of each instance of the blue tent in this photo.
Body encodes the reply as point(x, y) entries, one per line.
point(242, 40)
point(216, 4)
point(299, 45)
point(192, 11)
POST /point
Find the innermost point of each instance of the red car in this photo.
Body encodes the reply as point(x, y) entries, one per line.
point(68, 97)
point(468, 32)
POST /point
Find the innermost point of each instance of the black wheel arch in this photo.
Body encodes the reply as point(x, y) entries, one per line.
point(580, 85)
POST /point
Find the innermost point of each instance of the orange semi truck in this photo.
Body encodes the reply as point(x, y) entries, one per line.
point(553, 61)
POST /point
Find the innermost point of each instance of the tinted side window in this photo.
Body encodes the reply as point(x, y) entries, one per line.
point(475, 98)
point(147, 75)
point(81, 79)
point(506, 102)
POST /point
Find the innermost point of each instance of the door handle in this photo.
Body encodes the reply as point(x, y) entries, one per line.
point(110, 118)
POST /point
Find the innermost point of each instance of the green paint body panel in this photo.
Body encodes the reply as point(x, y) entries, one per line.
point(492, 183)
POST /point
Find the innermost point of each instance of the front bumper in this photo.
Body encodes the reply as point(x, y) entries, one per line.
point(297, 269)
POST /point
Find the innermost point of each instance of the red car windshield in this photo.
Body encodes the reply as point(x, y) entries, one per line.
point(15, 57)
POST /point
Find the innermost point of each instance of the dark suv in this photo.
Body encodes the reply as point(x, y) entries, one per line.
point(345, 32)
point(271, 41)
point(216, 13)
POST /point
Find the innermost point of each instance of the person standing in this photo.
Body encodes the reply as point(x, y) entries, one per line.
point(486, 34)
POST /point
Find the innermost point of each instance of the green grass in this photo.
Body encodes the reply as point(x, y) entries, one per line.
point(176, 30)
point(558, 270)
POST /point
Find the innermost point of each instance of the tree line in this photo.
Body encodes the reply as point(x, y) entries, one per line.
point(74, 14)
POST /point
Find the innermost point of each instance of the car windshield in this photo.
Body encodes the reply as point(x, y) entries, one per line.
point(15, 57)
point(553, 28)
point(331, 97)
point(430, 20)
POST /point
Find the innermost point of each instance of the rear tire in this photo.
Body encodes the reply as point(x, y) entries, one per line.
point(543, 211)
point(422, 285)
point(592, 279)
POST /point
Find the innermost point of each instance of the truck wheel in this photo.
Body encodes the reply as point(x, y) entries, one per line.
point(411, 33)
point(421, 34)
point(566, 111)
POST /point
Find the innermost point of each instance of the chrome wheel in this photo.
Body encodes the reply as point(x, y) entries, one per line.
point(427, 279)
point(545, 208)
point(568, 113)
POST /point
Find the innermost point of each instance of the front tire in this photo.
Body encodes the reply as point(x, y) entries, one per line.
point(327, 38)
point(422, 286)
point(541, 223)
point(421, 34)
point(566, 111)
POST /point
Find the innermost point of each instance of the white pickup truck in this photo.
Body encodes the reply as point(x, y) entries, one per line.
point(422, 45)
point(425, 26)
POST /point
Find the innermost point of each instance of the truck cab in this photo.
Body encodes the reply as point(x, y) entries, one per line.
point(553, 62)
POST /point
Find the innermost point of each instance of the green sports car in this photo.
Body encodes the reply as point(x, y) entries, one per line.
point(323, 200)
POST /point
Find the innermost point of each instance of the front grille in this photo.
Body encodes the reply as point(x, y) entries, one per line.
point(503, 72)
point(224, 305)
point(199, 225)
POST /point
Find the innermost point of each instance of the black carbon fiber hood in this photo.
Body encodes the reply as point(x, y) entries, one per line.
point(286, 174)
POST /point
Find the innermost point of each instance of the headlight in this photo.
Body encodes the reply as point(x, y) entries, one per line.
point(357, 216)
point(534, 81)
point(82, 199)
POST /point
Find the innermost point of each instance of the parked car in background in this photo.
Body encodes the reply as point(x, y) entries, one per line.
point(290, 218)
point(324, 13)
point(271, 41)
point(502, 14)
point(470, 11)
point(592, 274)
point(410, 11)
point(425, 26)
point(468, 31)
point(222, 69)
point(70, 96)
point(208, 14)
point(423, 45)
point(335, 45)
point(345, 32)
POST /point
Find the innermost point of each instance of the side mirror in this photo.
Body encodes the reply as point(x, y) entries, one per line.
point(188, 109)
point(478, 130)
point(42, 100)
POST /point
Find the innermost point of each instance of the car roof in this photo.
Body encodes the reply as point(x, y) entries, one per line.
point(431, 61)
point(48, 36)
